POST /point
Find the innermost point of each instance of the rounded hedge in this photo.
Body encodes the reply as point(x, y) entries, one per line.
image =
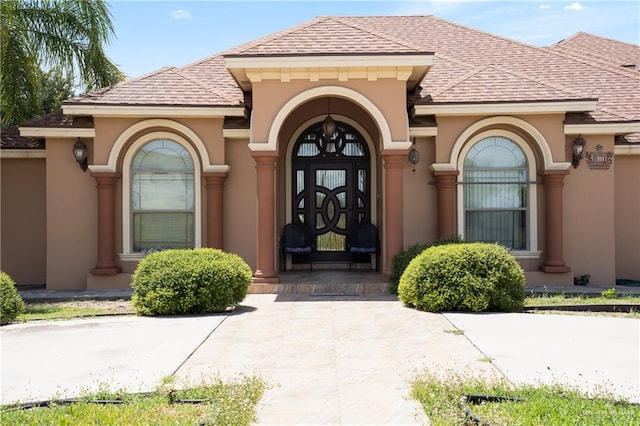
point(463, 277)
point(401, 260)
point(187, 281)
point(11, 304)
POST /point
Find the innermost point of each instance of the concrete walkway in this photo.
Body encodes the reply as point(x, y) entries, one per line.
point(330, 360)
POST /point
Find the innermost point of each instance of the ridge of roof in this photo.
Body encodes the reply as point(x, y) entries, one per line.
point(580, 34)
point(107, 89)
point(386, 36)
point(597, 64)
point(327, 36)
point(574, 46)
point(194, 80)
point(270, 37)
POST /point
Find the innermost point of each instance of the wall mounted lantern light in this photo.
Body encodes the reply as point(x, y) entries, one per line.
point(80, 154)
point(577, 148)
point(328, 124)
point(414, 155)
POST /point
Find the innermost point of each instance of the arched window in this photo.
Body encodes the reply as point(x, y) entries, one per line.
point(162, 197)
point(496, 193)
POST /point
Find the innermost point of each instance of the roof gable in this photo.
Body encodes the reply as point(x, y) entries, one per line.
point(324, 36)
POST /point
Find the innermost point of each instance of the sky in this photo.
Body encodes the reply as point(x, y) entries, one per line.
point(151, 34)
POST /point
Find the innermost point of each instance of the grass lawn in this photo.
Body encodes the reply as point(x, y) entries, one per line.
point(220, 403)
point(536, 405)
point(579, 299)
point(75, 309)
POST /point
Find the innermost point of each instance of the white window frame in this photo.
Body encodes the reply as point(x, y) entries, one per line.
point(127, 234)
point(532, 216)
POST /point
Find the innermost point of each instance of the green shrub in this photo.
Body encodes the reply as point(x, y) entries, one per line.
point(11, 302)
point(463, 277)
point(189, 282)
point(401, 261)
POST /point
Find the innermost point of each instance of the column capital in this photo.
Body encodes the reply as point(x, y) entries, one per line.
point(395, 157)
point(445, 173)
point(214, 177)
point(264, 158)
point(106, 177)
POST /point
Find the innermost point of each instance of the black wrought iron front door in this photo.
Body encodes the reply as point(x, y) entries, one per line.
point(331, 187)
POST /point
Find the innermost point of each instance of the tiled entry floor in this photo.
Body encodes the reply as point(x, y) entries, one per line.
point(326, 283)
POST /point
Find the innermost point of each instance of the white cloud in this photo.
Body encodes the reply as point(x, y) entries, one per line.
point(575, 6)
point(545, 6)
point(180, 14)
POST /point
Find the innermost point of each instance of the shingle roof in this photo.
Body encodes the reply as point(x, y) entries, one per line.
point(10, 139)
point(167, 86)
point(325, 35)
point(57, 119)
point(602, 49)
point(469, 66)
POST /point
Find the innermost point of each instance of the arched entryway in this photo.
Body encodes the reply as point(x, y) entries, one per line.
point(331, 180)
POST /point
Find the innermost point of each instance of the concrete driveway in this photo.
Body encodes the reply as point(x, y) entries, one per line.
point(342, 360)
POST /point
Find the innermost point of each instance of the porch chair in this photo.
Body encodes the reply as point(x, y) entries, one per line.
point(297, 240)
point(363, 239)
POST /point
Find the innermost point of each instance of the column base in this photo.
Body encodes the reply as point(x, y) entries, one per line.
point(554, 269)
point(266, 280)
point(106, 271)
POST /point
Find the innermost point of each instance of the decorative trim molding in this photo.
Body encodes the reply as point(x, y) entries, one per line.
point(402, 67)
point(602, 128)
point(236, 133)
point(422, 131)
point(23, 153)
point(626, 150)
point(507, 108)
point(56, 132)
point(152, 111)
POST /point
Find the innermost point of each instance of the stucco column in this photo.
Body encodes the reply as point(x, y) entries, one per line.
point(554, 258)
point(266, 245)
point(393, 202)
point(106, 184)
point(446, 209)
point(214, 182)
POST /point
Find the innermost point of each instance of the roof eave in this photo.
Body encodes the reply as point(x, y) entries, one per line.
point(603, 128)
point(514, 107)
point(247, 70)
point(112, 110)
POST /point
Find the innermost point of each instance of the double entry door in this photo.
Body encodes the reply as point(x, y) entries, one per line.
point(331, 187)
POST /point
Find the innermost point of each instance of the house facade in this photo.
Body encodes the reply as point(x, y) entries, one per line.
point(439, 130)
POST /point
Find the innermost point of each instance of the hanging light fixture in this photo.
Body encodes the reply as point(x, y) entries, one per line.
point(328, 124)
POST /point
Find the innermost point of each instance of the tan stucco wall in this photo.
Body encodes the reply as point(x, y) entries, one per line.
point(108, 130)
point(71, 218)
point(388, 95)
point(23, 220)
point(627, 216)
point(240, 208)
point(589, 219)
point(420, 220)
point(450, 128)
